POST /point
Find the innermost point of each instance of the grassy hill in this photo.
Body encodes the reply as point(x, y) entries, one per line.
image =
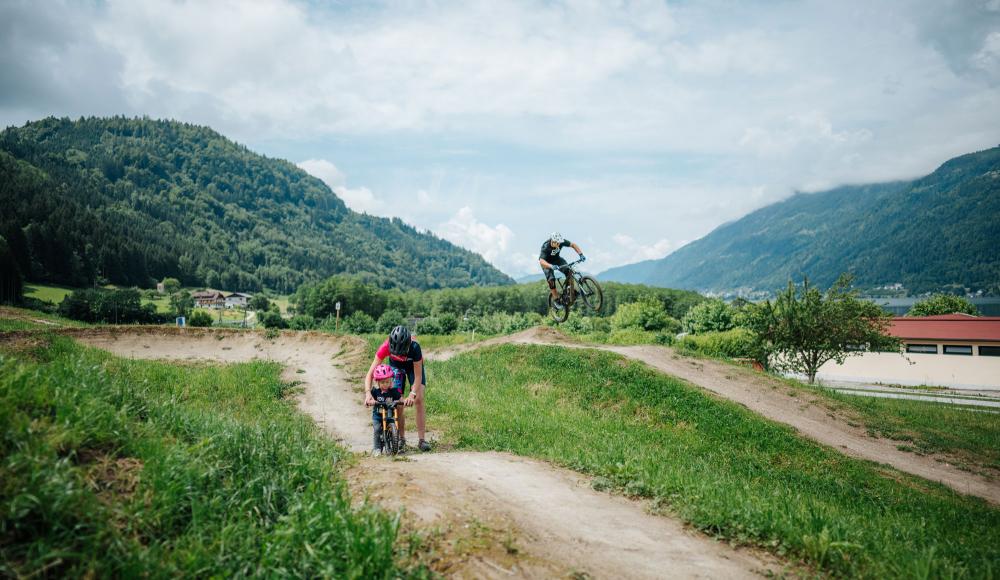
point(937, 232)
point(130, 201)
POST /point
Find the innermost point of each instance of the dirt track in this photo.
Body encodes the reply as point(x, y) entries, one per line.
point(500, 515)
point(776, 401)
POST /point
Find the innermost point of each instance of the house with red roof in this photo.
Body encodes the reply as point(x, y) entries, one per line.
point(952, 350)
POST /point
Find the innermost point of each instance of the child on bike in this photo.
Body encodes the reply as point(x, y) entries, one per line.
point(381, 392)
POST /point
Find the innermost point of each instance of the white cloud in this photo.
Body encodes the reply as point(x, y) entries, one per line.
point(491, 242)
point(359, 199)
point(637, 252)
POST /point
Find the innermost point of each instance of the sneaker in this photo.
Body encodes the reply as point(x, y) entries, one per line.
point(424, 446)
point(377, 453)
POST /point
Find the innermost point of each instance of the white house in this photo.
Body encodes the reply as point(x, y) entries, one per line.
point(238, 300)
point(952, 350)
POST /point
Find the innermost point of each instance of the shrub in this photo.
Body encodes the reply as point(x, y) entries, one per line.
point(359, 323)
point(199, 318)
point(943, 304)
point(429, 325)
point(449, 323)
point(271, 319)
point(709, 316)
point(647, 314)
point(302, 322)
point(390, 319)
point(735, 343)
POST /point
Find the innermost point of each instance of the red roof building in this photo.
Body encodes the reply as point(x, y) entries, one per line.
point(961, 327)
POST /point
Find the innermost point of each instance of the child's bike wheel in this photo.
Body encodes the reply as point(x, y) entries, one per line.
point(391, 440)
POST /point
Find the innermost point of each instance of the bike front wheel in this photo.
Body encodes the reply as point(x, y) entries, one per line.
point(591, 294)
point(390, 439)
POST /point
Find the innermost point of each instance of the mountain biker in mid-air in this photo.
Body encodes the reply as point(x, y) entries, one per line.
point(549, 259)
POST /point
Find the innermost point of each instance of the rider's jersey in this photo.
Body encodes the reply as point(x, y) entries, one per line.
point(401, 362)
point(386, 396)
point(549, 252)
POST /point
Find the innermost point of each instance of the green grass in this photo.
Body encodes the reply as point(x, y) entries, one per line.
point(715, 464)
point(53, 294)
point(12, 318)
point(930, 427)
point(121, 468)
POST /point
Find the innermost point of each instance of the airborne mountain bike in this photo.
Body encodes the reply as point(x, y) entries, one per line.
point(572, 286)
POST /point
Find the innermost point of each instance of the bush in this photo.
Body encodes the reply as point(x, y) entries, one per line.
point(449, 323)
point(735, 343)
point(359, 323)
point(200, 318)
point(709, 316)
point(302, 322)
point(389, 319)
point(943, 304)
point(122, 306)
point(647, 314)
point(429, 325)
point(271, 319)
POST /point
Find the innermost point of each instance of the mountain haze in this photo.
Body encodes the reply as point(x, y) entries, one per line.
point(130, 201)
point(938, 232)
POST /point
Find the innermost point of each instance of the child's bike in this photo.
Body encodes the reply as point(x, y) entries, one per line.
point(575, 286)
point(390, 432)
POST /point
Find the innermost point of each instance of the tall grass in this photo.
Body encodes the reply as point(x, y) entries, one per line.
point(113, 467)
point(715, 464)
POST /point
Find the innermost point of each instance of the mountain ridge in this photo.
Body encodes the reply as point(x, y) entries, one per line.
point(130, 201)
point(937, 232)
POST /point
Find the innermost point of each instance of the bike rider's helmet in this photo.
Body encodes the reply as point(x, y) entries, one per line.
point(399, 341)
point(556, 237)
point(383, 372)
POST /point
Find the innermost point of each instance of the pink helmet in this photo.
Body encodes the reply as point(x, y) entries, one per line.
point(383, 372)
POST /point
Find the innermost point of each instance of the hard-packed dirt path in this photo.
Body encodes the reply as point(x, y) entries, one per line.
point(498, 516)
point(774, 400)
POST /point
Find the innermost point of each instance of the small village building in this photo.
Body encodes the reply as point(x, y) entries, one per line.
point(209, 299)
point(952, 350)
point(238, 300)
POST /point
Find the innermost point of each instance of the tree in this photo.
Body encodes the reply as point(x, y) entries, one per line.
point(271, 319)
point(11, 282)
point(390, 319)
point(804, 329)
point(200, 318)
point(181, 302)
point(943, 304)
point(171, 285)
point(359, 323)
point(709, 316)
point(259, 303)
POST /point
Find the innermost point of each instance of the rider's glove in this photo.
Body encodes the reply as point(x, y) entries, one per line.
point(583, 258)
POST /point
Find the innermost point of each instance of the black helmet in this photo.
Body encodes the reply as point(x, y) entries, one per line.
point(399, 341)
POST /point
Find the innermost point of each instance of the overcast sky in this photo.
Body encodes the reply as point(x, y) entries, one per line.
point(631, 127)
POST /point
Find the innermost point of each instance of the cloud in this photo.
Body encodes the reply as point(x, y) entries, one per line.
point(638, 252)
point(359, 199)
point(491, 242)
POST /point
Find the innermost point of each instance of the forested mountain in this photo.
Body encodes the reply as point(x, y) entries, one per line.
point(938, 232)
point(130, 201)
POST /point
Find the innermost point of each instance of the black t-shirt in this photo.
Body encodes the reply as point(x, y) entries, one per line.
point(405, 363)
point(549, 252)
point(387, 396)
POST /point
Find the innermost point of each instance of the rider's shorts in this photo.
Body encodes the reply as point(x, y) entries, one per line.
point(550, 276)
point(402, 377)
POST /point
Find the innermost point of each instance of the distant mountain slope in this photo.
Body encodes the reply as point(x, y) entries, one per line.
point(928, 234)
point(130, 201)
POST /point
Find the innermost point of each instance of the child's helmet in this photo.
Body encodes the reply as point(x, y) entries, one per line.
point(383, 372)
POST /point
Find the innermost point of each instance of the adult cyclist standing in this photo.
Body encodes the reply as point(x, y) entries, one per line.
point(550, 259)
point(407, 362)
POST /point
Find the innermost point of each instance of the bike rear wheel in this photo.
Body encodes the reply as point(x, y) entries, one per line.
point(559, 314)
point(591, 293)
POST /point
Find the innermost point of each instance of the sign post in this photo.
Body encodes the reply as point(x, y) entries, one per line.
point(337, 324)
